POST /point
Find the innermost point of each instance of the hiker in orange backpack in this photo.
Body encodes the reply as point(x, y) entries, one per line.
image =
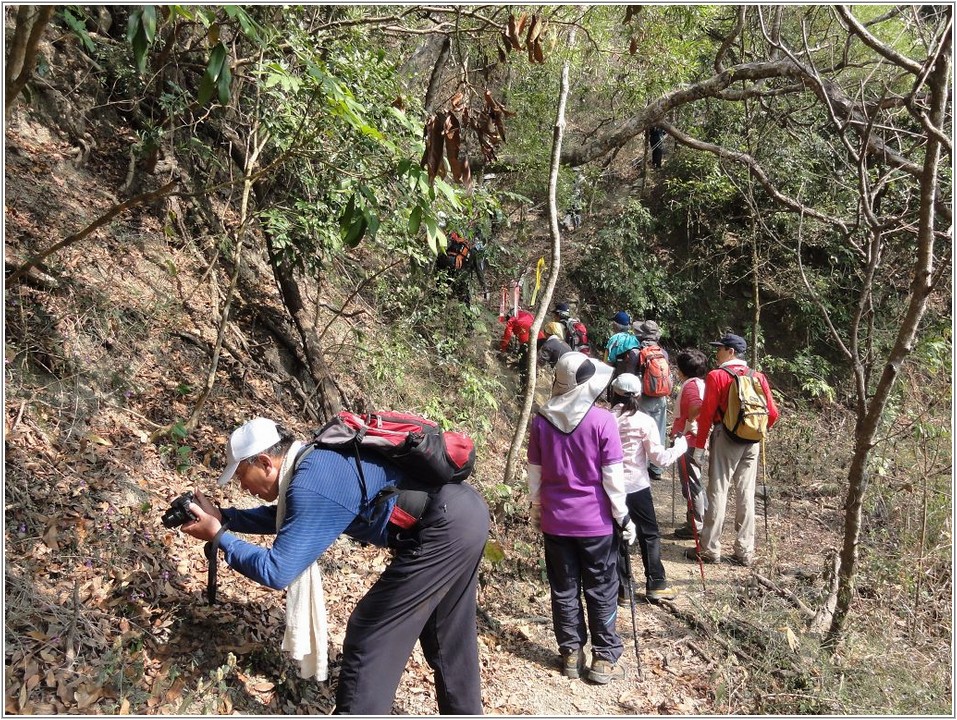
point(655, 374)
point(462, 258)
point(731, 458)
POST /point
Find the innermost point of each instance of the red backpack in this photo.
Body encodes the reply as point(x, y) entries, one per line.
point(421, 448)
point(576, 335)
point(655, 372)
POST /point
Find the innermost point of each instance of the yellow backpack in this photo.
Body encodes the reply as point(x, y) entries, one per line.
point(746, 418)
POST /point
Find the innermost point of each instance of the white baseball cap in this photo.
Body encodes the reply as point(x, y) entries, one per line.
point(256, 436)
point(627, 384)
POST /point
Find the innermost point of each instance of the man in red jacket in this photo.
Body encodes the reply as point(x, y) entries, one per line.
point(730, 459)
point(518, 328)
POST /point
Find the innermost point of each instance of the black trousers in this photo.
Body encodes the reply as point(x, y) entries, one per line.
point(427, 593)
point(641, 508)
point(577, 565)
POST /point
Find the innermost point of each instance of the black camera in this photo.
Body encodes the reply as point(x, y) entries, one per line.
point(179, 513)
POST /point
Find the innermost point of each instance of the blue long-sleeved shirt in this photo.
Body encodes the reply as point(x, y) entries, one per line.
point(323, 501)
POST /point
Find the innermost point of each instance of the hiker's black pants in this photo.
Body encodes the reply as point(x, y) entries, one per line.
point(584, 565)
point(641, 508)
point(427, 593)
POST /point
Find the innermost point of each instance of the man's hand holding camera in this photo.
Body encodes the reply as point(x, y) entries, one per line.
point(208, 518)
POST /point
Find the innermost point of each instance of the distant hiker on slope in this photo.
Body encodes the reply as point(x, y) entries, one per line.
point(576, 334)
point(514, 343)
point(461, 259)
point(577, 492)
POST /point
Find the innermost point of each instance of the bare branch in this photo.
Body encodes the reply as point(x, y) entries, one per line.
point(756, 170)
point(725, 46)
point(874, 44)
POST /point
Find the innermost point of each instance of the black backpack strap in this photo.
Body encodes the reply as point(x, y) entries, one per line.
point(211, 549)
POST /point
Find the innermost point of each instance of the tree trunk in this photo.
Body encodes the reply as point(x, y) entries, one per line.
point(921, 286)
point(329, 396)
point(22, 58)
point(532, 356)
point(330, 400)
point(433, 90)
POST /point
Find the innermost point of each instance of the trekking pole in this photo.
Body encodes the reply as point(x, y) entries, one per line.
point(631, 598)
point(693, 521)
point(673, 473)
point(764, 478)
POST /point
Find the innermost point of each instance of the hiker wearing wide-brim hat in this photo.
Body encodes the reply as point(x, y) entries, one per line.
point(427, 592)
point(642, 444)
point(730, 460)
point(577, 493)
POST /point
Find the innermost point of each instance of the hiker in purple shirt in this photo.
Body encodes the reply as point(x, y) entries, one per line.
point(577, 491)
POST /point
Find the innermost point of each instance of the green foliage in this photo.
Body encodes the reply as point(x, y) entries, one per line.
point(812, 373)
point(73, 18)
point(140, 33)
point(217, 77)
point(625, 267)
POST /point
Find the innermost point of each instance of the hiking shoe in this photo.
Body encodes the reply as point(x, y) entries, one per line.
point(665, 593)
point(573, 662)
point(622, 599)
point(604, 671)
point(692, 554)
point(740, 561)
point(685, 532)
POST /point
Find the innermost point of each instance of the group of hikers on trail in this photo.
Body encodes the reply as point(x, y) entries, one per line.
point(591, 470)
point(590, 475)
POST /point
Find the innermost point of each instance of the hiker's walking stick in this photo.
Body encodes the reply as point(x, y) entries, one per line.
point(691, 518)
point(764, 479)
point(673, 473)
point(631, 597)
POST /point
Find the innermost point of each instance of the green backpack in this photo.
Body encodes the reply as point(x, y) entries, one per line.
point(746, 418)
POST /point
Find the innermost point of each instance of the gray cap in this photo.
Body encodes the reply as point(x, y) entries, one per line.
point(647, 330)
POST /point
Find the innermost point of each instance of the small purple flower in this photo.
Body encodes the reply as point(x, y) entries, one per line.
point(88, 563)
point(23, 528)
point(165, 575)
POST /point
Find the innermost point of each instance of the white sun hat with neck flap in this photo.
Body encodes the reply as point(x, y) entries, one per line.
point(579, 380)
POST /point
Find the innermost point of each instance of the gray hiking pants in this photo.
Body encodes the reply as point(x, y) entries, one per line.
point(730, 464)
point(589, 566)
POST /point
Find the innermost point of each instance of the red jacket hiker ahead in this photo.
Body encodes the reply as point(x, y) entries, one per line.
point(520, 327)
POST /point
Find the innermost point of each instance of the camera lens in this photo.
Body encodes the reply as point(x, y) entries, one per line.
point(178, 512)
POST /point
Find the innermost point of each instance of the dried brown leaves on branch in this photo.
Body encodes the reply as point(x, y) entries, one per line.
point(444, 136)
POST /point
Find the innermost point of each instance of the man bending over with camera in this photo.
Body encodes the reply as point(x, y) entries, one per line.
point(427, 592)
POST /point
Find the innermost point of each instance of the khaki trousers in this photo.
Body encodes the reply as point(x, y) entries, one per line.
point(730, 462)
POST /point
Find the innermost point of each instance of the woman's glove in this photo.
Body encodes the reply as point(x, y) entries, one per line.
point(628, 531)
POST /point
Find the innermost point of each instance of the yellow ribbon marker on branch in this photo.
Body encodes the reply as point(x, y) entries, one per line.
point(538, 277)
